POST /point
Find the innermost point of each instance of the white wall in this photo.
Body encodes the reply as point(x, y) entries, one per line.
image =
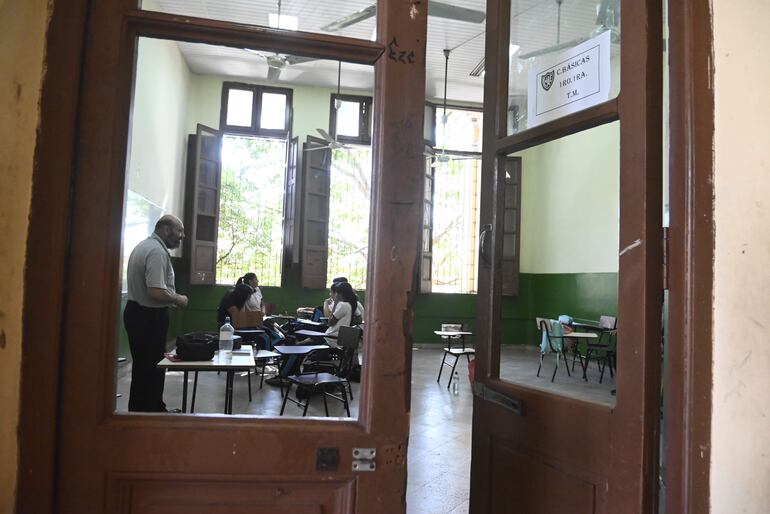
point(158, 144)
point(22, 37)
point(570, 203)
point(740, 458)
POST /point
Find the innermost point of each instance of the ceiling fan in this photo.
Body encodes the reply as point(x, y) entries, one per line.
point(441, 156)
point(437, 9)
point(277, 62)
point(607, 18)
point(331, 142)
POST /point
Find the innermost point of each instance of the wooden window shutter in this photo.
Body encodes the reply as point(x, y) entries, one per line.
point(511, 226)
point(426, 247)
point(290, 257)
point(316, 171)
point(204, 177)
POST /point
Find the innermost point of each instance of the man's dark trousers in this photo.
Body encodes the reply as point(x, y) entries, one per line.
point(146, 328)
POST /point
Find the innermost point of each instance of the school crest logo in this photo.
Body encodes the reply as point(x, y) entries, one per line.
point(546, 80)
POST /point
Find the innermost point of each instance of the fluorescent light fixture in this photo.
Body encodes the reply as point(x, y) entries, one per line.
point(285, 22)
point(512, 49)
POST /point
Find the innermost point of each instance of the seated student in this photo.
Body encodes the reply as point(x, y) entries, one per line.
point(254, 301)
point(345, 305)
point(232, 302)
point(328, 305)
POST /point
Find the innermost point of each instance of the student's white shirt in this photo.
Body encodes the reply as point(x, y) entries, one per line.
point(254, 302)
point(342, 312)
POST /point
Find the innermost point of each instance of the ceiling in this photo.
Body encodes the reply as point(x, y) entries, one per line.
point(533, 27)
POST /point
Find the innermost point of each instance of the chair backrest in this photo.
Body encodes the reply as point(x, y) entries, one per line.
point(550, 328)
point(610, 322)
point(452, 327)
point(349, 337)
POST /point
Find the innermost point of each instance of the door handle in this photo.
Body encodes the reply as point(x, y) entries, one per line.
point(484, 248)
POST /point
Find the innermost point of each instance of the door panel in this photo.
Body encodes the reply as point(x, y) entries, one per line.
point(574, 455)
point(113, 462)
point(141, 494)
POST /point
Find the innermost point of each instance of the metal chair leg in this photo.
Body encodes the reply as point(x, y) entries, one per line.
point(248, 376)
point(541, 363)
point(326, 404)
point(345, 399)
point(307, 402)
point(566, 366)
point(286, 397)
point(556, 368)
point(441, 368)
point(195, 390)
point(452, 373)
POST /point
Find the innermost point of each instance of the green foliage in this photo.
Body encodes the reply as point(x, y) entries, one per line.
point(351, 174)
point(455, 226)
point(251, 209)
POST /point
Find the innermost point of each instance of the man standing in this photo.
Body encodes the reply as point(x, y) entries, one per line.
point(151, 291)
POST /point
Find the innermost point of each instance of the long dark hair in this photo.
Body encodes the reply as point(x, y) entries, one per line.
point(240, 294)
point(248, 277)
point(346, 294)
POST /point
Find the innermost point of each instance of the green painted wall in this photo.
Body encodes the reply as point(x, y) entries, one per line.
point(582, 295)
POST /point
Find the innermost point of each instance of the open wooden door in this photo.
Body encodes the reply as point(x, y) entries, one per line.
point(204, 182)
point(103, 461)
point(316, 183)
point(585, 119)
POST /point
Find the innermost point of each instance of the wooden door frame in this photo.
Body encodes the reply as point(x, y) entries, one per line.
point(691, 257)
point(393, 252)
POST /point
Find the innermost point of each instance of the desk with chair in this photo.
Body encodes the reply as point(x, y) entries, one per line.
point(243, 360)
point(453, 332)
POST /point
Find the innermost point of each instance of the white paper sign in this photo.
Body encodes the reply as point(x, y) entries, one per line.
point(569, 81)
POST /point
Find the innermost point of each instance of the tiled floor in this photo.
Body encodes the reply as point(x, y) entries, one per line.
point(440, 438)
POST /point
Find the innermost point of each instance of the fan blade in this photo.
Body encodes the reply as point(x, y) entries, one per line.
point(317, 148)
point(352, 19)
point(478, 70)
point(554, 48)
point(437, 9)
point(296, 59)
point(273, 73)
point(453, 12)
point(325, 135)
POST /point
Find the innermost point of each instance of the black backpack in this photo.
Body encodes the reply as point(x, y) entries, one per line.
point(197, 346)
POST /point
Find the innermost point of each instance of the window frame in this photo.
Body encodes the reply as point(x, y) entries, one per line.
point(364, 119)
point(257, 91)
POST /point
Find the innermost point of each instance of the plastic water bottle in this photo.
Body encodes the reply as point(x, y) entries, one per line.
point(456, 383)
point(226, 332)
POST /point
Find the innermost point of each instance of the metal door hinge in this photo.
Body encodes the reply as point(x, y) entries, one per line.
point(363, 459)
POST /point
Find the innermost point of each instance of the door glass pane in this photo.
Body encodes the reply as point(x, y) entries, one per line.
point(353, 18)
point(568, 256)
point(564, 56)
point(232, 201)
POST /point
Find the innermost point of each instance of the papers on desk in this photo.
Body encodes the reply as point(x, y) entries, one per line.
point(313, 333)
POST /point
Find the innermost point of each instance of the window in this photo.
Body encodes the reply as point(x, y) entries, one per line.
point(256, 110)
point(351, 173)
point(451, 215)
point(255, 123)
point(350, 186)
point(350, 119)
point(251, 209)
